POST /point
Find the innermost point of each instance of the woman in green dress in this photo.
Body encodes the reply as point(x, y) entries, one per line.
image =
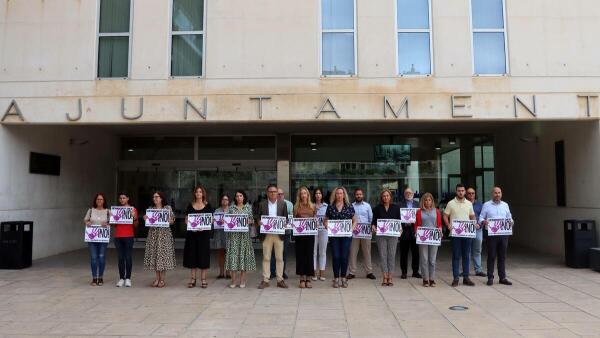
point(239, 255)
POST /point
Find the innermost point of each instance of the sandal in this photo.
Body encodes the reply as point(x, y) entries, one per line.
point(204, 284)
point(431, 283)
point(94, 282)
point(344, 283)
point(100, 282)
point(155, 283)
point(335, 283)
point(390, 282)
point(161, 284)
point(384, 283)
point(425, 283)
point(308, 284)
point(192, 283)
point(302, 284)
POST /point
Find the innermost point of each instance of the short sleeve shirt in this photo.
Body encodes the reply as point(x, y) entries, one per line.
point(459, 210)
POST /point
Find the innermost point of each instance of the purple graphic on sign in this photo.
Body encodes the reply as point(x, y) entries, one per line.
point(425, 235)
point(268, 224)
point(384, 227)
point(300, 228)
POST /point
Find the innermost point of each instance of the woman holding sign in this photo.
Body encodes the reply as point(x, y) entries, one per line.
point(428, 216)
point(219, 238)
point(196, 251)
point(320, 249)
point(160, 246)
point(97, 217)
point(239, 255)
point(124, 234)
point(340, 209)
point(304, 244)
point(386, 244)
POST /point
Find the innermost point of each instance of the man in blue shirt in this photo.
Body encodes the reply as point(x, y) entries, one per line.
point(364, 214)
point(497, 245)
point(476, 247)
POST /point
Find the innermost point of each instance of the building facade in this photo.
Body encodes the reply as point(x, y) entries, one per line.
point(137, 95)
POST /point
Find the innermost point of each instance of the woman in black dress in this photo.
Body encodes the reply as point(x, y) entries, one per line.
point(196, 252)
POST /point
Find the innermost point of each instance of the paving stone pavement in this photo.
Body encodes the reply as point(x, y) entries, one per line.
point(53, 298)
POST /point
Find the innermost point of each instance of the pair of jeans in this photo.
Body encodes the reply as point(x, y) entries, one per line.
point(124, 247)
point(408, 241)
point(476, 251)
point(461, 250)
point(286, 244)
point(340, 251)
point(497, 246)
point(97, 258)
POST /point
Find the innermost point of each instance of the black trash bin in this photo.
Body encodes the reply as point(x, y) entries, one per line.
point(16, 244)
point(580, 236)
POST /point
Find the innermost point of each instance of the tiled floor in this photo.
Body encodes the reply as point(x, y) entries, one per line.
point(53, 299)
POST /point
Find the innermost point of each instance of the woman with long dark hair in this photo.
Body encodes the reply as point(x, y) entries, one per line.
point(124, 235)
point(97, 216)
point(196, 251)
point(160, 246)
point(239, 256)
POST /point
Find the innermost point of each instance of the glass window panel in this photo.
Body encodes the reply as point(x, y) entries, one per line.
point(114, 16)
point(113, 54)
point(451, 161)
point(413, 14)
point(338, 54)
point(488, 181)
point(477, 156)
point(488, 157)
point(479, 186)
point(489, 53)
point(487, 14)
point(337, 14)
point(188, 15)
point(414, 53)
point(157, 148)
point(186, 55)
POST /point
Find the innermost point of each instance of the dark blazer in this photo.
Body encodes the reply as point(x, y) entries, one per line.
point(403, 203)
point(263, 210)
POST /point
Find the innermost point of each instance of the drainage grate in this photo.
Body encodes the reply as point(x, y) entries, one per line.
point(458, 308)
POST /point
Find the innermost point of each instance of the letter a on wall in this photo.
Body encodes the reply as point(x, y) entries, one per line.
point(13, 110)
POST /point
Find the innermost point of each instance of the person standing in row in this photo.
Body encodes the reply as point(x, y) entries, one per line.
point(428, 216)
point(497, 245)
point(272, 206)
point(219, 238)
point(478, 240)
point(364, 214)
point(320, 249)
point(286, 237)
point(386, 244)
point(239, 255)
point(340, 209)
point(408, 241)
point(196, 250)
point(97, 216)
point(304, 244)
point(160, 246)
point(124, 234)
point(460, 209)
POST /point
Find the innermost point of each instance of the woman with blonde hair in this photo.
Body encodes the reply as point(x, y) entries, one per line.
point(339, 209)
point(386, 244)
point(428, 216)
point(304, 208)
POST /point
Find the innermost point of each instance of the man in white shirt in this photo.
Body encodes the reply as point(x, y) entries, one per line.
point(364, 214)
point(497, 245)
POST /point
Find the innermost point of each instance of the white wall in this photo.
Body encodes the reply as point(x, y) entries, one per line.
point(56, 204)
point(526, 172)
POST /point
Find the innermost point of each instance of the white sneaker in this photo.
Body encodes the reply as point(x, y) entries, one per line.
point(120, 283)
point(128, 282)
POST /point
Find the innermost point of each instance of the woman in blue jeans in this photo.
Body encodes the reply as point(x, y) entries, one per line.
point(124, 234)
point(340, 208)
point(97, 216)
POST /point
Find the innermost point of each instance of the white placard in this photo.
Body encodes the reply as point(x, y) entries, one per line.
point(199, 222)
point(499, 227)
point(236, 222)
point(97, 235)
point(429, 236)
point(218, 221)
point(464, 229)
point(305, 226)
point(408, 215)
point(389, 227)
point(363, 231)
point(274, 225)
point(121, 215)
point(158, 218)
point(339, 228)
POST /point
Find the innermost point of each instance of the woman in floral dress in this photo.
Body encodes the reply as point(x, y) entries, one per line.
point(239, 255)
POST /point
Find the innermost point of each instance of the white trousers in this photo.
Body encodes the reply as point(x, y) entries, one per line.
point(320, 250)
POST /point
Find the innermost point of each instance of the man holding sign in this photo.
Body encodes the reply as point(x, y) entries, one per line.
point(460, 209)
point(272, 207)
point(364, 215)
point(497, 210)
point(408, 240)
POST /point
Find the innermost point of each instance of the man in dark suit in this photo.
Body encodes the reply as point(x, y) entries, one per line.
point(408, 241)
point(272, 207)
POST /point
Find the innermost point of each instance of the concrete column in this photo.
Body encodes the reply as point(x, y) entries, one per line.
point(284, 151)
